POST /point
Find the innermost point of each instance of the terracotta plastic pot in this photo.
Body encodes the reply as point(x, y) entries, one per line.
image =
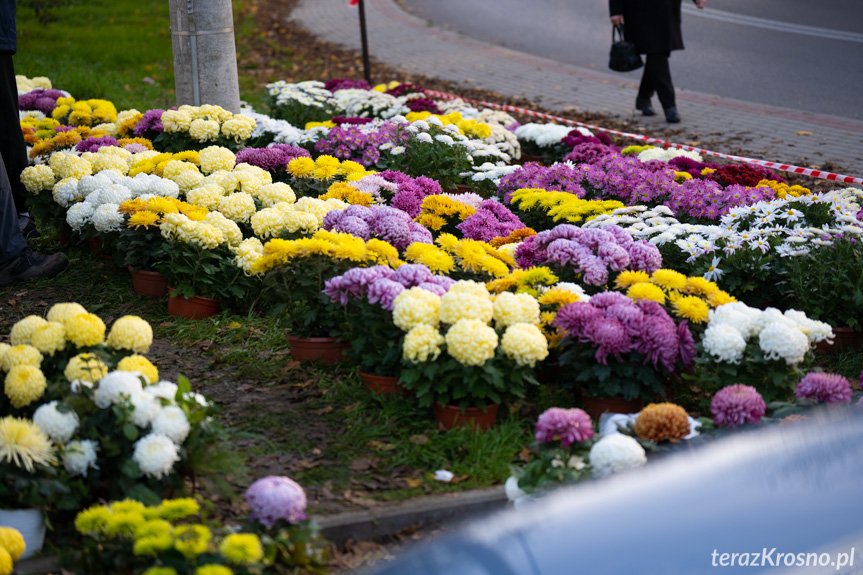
point(461, 189)
point(147, 283)
point(530, 158)
point(596, 406)
point(844, 338)
point(195, 307)
point(382, 384)
point(451, 416)
point(329, 350)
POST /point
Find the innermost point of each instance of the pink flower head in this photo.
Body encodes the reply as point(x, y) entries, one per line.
point(571, 425)
point(825, 388)
point(737, 404)
point(273, 498)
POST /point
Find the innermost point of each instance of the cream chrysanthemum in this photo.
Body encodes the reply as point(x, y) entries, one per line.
point(206, 196)
point(272, 194)
point(23, 329)
point(215, 158)
point(85, 330)
point(85, 367)
point(24, 385)
point(62, 312)
point(615, 453)
point(416, 306)
point(469, 287)
point(422, 344)
point(524, 343)
point(21, 355)
point(471, 342)
point(511, 308)
point(232, 232)
point(37, 178)
point(238, 206)
point(456, 306)
point(132, 333)
point(49, 338)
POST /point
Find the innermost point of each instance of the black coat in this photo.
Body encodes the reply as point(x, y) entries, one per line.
point(8, 34)
point(652, 25)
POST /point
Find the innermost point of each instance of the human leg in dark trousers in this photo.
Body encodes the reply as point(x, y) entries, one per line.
point(12, 145)
point(18, 262)
point(657, 78)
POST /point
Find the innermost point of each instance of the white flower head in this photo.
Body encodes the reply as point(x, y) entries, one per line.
point(146, 408)
point(172, 422)
point(615, 453)
point(156, 455)
point(79, 456)
point(724, 342)
point(114, 386)
point(59, 426)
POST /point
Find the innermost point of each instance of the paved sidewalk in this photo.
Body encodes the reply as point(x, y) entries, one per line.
point(407, 43)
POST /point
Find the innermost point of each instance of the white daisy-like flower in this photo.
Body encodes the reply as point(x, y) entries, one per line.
point(156, 455)
point(79, 456)
point(397, 150)
point(59, 425)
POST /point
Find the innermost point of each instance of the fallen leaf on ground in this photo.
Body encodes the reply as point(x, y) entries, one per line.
point(419, 439)
point(327, 409)
point(803, 133)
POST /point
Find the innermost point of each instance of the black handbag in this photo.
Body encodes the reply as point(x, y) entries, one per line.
point(624, 57)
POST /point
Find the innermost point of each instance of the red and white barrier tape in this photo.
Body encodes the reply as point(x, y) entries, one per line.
point(775, 165)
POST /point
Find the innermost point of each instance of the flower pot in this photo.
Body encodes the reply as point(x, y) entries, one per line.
point(596, 406)
point(30, 523)
point(451, 416)
point(382, 384)
point(530, 158)
point(147, 283)
point(460, 189)
point(844, 338)
point(329, 350)
point(195, 307)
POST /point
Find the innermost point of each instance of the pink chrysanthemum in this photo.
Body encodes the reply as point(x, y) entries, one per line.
point(571, 425)
point(825, 388)
point(273, 498)
point(737, 404)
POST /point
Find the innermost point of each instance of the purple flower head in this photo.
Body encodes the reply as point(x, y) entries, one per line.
point(610, 338)
point(687, 345)
point(575, 317)
point(409, 202)
point(609, 298)
point(658, 341)
point(272, 157)
point(354, 283)
point(354, 226)
point(355, 121)
point(491, 220)
point(371, 155)
point(570, 425)
point(644, 256)
point(587, 153)
point(423, 105)
point(420, 234)
point(273, 498)
point(405, 88)
point(436, 289)
point(93, 144)
point(528, 253)
point(825, 388)
point(385, 291)
point(736, 405)
point(445, 282)
point(392, 226)
point(59, 129)
point(629, 315)
point(614, 256)
point(346, 84)
point(135, 148)
point(151, 121)
point(411, 275)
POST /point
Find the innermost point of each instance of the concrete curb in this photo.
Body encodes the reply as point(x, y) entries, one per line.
point(387, 520)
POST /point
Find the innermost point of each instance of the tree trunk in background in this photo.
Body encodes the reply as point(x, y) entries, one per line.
point(205, 55)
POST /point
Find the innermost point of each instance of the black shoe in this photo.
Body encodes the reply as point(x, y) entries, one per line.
point(28, 227)
point(645, 108)
point(31, 265)
point(671, 116)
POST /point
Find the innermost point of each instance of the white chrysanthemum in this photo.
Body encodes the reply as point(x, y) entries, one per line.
point(163, 187)
point(79, 215)
point(60, 426)
point(815, 331)
point(215, 158)
point(146, 408)
point(739, 316)
point(272, 194)
point(79, 456)
point(172, 421)
point(724, 342)
point(138, 185)
point(112, 194)
point(511, 308)
point(90, 184)
point(783, 340)
point(106, 218)
point(238, 206)
point(115, 385)
point(37, 178)
point(156, 455)
point(164, 389)
point(512, 490)
point(615, 453)
point(65, 192)
point(570, 287)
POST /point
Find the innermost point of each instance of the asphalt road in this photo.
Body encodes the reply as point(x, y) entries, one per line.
point(798, 54)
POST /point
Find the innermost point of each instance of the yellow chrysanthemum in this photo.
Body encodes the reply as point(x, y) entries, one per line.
point(24, 385)
point(692, 308)
point(22, 330)
point(24, 444)
point(21, 355)
point(668, 279)
point(50, 338)
point(242, 548)
point(719, 298)
point(163, 205)
point(422, 343)
point(127, 506)
point(12, 541)
point(152, 545)
point(180, 508)
point(434, 258)
point(153, 527)
point(524, 343)
point(700, 286)
point(123, 524)
point(211, 569)
point(85, 330)
point(192, 540)
point(558, 297)
point(416, 306)
point(630, 277)
point(5, 562)
point(92, 520)
point(646, 291)
point(132, 333)
point(85, 367)
point(471, 342)
point(62, 312)
point(301, 167)
point(143, 219)
point(140, 364)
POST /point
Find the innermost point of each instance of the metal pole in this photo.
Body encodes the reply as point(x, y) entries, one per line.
point(366, 66)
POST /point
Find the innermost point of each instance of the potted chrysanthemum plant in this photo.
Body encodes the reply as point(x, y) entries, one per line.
point(456, 362)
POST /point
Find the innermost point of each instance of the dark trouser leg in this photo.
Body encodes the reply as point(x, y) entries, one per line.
point(656, 68)
point(12, 145)
point(11, 241)
point(645, 89)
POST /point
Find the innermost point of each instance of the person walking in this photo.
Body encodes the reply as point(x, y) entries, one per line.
point(12, 145)
point(654, 27)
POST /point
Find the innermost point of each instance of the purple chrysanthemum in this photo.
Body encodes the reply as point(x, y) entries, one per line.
point(151, 121)
point(736, 405)
point(273, 498)
point(93, 144)
point(825, 388)
point(570, 425)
